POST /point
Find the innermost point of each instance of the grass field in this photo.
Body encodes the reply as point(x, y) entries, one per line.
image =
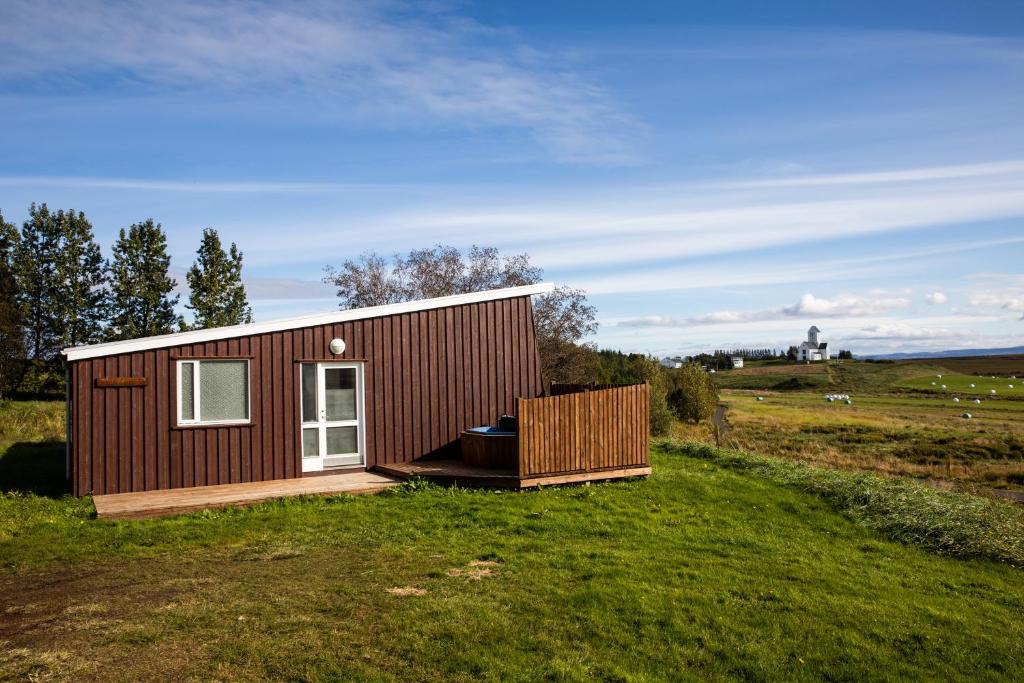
point(979, 365)
point(955, 383)
point(774, 376)
point(898, 422)
point(724, 564)
point(718, 566)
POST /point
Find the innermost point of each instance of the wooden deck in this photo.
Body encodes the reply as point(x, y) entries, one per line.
point(176, 501)
point(456, 472)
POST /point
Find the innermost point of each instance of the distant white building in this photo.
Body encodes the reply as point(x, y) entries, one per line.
point(737, 362)
point(672, 362)
point(812, 349)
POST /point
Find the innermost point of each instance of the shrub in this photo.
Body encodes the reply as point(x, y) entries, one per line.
point(620, 368)
point(648, 370)
point(692, 394)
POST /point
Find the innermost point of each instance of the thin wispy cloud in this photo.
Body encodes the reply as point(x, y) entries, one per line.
point(677, 224)
point(907, 331)
point(378, 58)
point(1012, 168)
point(199, 186)
point(808, 306)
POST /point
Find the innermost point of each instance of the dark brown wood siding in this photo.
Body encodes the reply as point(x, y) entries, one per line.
point(428, 375)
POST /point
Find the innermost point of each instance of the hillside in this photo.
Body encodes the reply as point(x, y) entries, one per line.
point(949, 353)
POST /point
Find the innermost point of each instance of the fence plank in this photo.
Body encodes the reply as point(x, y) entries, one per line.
point(591, 429)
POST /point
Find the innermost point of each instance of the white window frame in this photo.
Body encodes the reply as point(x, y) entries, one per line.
point(196, 371)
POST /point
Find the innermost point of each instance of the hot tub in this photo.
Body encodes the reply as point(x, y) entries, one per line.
point(490, 447)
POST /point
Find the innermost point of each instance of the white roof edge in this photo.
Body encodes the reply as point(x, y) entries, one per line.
point(216, 333)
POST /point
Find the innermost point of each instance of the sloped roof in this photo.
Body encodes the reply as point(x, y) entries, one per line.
point(213, 334)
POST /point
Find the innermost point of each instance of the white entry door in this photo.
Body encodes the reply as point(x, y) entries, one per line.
point(332, 415)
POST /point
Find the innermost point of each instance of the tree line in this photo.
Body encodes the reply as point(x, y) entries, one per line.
point(58, 290)
point(722, 359)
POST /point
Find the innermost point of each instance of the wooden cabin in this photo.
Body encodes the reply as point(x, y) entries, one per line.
point(379, 388)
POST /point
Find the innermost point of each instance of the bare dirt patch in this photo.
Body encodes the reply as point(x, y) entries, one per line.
point(406, 591)
point(41, 607)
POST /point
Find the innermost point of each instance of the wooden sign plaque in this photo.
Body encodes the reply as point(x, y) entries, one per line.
point(120, 381)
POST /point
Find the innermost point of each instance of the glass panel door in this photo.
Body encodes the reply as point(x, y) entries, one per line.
point(331, 415)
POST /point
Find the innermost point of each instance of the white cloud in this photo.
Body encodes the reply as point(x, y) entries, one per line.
point(903, 330)
point(936, 298)
point(809, 306)
point(954, 172)
point(192, 186)
point(678, 223)
point(1008, 299)
point(376, 58)
point(652, 321)
point(844, 306)
point(643, 224)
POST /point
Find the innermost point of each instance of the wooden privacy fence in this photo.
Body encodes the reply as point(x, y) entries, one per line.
point(584, 431)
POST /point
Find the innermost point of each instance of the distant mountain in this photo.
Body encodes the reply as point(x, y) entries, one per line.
point(952, 353)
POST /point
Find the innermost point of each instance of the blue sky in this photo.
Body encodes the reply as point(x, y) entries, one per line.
point(713, 174)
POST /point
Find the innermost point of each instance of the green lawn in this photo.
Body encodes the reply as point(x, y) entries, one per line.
point(706, 570)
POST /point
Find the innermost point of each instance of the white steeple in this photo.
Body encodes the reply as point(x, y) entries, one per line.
point(812, 335)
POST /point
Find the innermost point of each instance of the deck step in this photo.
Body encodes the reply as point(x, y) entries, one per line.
point(177, 501)
point(455, 471)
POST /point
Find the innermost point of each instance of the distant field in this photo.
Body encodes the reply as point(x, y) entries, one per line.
point(898, 423)
point(782, 377)
point(975, 365)
point(957, 383)
point(864, 377)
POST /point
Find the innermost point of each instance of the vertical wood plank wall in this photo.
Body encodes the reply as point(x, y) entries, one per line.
point(428, 375)
point(584, 431)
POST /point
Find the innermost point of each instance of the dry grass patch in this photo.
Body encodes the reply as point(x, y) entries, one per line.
point(475, 569)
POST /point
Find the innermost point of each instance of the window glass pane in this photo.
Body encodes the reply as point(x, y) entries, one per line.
point(309, 392)
point(310, 443)
point(341, 440)
point(223, 390)
point(188, 391)
point(340, 393)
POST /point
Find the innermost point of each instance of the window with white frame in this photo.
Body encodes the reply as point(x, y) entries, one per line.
point(213, 392)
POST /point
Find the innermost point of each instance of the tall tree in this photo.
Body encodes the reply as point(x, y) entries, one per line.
point(141, 304)
point(562, 319)
point(12, 331)
point(217, 294)
point(79, 308)
point(35, 265)
point(441, 270)
point(61, 277)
